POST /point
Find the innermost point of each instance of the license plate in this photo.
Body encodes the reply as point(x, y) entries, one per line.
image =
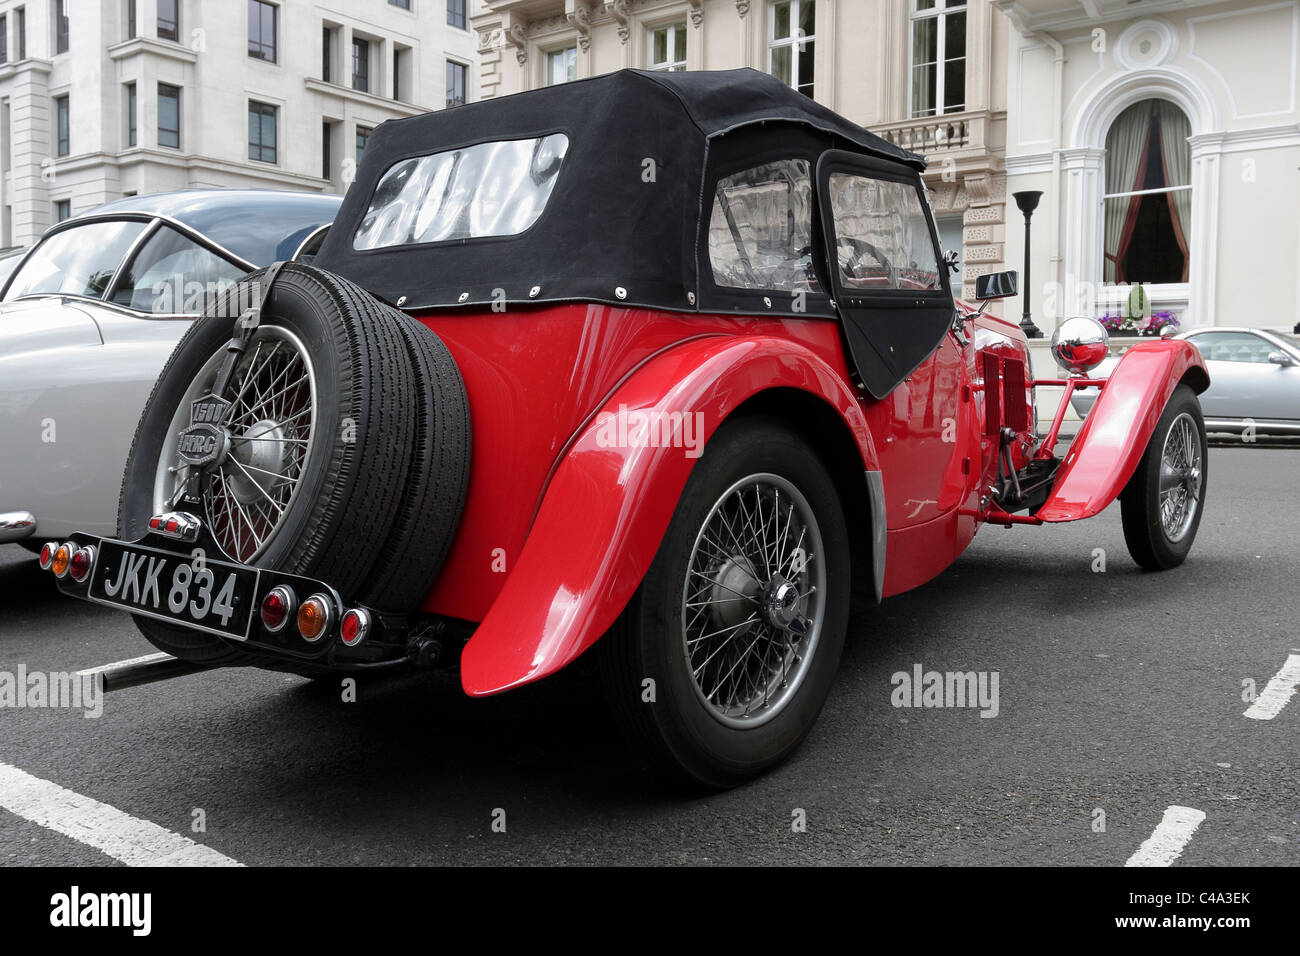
point(206, 595)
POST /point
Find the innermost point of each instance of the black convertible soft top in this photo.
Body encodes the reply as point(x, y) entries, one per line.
point(622, 222)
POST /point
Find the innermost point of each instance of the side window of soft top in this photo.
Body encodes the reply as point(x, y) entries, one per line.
point(760, 229)
point(882, 235)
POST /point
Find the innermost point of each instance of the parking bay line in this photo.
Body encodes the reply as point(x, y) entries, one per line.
point(127, 839)
point(1278, 692)
point(1170, 838)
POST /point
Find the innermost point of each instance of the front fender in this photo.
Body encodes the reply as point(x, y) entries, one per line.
point(606, 509)
point(1114, 436)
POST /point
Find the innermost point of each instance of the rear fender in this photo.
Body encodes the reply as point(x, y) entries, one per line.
point(606, 509)
point(1110, 445)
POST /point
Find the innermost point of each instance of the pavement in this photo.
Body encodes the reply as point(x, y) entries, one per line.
point(1121, 695)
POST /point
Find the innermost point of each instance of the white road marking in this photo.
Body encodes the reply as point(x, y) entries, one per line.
point(1278, 692)
point(1170, 837)
point(147, 659)
point(128, 839)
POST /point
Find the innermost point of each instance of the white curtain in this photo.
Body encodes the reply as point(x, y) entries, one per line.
point(1174, 131)
point(1125, 145)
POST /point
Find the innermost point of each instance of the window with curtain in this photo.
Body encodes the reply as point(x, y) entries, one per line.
point(938, 57)
point(1148, 194)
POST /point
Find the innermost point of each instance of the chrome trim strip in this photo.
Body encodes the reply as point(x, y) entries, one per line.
point(145, 235)
point(876, 501)
point(312, 235)
point(16, 525)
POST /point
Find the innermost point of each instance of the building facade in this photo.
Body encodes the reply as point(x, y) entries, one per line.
point(104, 99)
point(926, 74)
point(1165, 139)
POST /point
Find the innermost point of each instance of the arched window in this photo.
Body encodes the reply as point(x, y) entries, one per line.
point(1148, 194)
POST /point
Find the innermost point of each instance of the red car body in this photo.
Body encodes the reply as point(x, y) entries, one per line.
point(559, 530)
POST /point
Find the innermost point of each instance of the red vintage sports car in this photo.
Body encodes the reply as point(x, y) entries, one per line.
point(702, 335)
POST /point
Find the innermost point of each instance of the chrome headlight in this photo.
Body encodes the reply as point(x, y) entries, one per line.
point(1080, 344)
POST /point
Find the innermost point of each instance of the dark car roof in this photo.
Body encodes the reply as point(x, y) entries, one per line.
point(606, 234)
point(260, 225)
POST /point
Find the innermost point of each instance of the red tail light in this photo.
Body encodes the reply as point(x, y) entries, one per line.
point(277, 608)
point(81, 564)
point(47, 554)
point(354, 626)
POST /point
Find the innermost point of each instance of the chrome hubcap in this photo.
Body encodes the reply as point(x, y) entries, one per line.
point(753, 600)
point(267, 438)
point(1180, 477)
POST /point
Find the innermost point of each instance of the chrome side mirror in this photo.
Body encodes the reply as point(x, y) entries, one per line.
point(997, 285)
point(1281, 358)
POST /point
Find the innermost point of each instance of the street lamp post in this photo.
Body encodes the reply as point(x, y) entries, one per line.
point(1028, 202)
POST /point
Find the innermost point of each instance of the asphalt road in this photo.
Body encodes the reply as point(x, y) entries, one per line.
point(1118, 691)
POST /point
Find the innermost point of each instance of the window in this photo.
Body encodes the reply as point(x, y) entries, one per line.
point(561, 65)
point(130, 115)
point(1233, 347)
point(20, 26)
point(261, 30)
point(326, 136)
point(61, 125)
point(130, 19)
point(404, 4)
point(488, 189)
point(668, 48)
point(327, 55)
point(4, 39)
point(173, 274)
point(4, 135)
point(938, 57)
point(456, 13)
point(363, 137)
point(399, 64)
point(63, 210)
point(261, 132)
point(361, 64)
point(77, 261)
point(1148, 194)
point(760, 230)
point(169, 115)
point(792, 28)
point(882, 235)
point(457, 74)
point(60, 26)
point(169, 20)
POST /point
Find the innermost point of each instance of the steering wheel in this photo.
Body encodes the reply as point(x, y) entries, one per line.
point(860, 248)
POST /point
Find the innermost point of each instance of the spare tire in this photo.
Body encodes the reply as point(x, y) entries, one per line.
point(330, 431)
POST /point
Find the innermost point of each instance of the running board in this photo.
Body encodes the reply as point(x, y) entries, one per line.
point(142, 670)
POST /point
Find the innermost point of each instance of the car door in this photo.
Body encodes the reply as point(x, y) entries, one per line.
point(892, 294)
point(1243, 382)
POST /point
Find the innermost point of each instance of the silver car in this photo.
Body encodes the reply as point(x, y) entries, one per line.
point(1254, 380)
point(89, 317)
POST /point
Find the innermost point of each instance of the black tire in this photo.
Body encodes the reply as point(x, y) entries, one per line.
point(337, 524)
point(1150, 543)
point(434, 496)
point(678, 728)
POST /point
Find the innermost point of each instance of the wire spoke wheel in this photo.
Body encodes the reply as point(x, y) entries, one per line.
point(1180, 477)
point(268, 432)
point(753, 600)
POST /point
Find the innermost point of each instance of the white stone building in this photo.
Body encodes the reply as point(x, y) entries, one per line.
point(104, 99)
point(1165, 137)
point(927, 74)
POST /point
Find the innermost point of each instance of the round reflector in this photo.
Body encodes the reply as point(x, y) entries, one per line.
point(277, 607)
point(314, 617)
point(82, 561)
point(354, 626)
point(62, 558)
point(47, 554)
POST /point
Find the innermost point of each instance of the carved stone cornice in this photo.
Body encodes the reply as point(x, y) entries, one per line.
point(697, 12)
point(580, 19)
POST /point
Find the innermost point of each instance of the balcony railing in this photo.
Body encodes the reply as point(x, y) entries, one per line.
point(938, 134)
